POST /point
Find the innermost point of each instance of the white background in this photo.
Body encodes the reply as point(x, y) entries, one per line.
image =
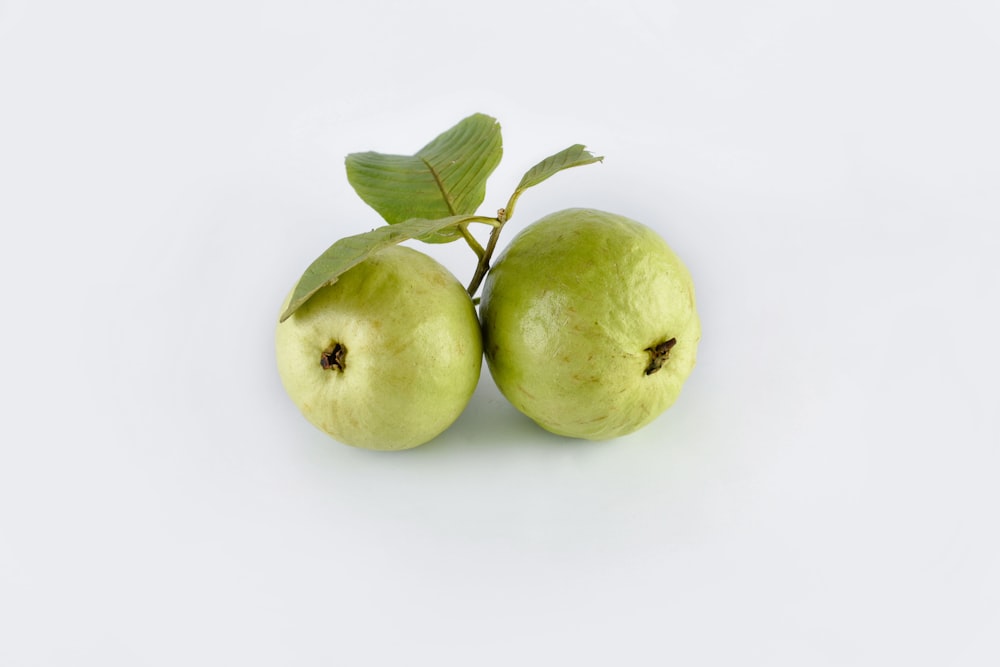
point(824, 493)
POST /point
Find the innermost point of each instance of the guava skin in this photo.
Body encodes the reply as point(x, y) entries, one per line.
point(388, 356)
point(573, 312)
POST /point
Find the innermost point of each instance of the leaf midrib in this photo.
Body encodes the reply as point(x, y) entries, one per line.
point(437, 179)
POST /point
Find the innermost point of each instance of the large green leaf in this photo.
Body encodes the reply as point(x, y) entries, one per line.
point(444, 178)
point(352, 250)
point(574, 156)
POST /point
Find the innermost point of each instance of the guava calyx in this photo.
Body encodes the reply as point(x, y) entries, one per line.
point(658, 355)
point(334, 357)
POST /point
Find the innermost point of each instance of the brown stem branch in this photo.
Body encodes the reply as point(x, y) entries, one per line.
point(484, 259)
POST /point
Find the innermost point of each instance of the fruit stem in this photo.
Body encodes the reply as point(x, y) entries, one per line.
point(484, 259)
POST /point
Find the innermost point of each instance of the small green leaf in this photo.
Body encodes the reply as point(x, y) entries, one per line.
point(574, 156)
point(352, 250)
point(444, 178)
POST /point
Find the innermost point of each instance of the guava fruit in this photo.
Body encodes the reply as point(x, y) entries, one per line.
point(589, 324)
point(388, 356)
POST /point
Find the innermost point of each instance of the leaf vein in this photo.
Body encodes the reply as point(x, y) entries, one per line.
point(440, 184)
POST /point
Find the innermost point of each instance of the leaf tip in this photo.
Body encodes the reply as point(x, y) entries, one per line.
point(485, 116)
point(589, 155)
point(294, 303)
point(288, 311)
point(300, 295)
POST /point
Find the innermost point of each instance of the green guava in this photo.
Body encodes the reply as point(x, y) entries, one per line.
point(589, 324)
point(385, 358)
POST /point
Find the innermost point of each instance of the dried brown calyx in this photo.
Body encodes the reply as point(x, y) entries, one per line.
point(658, 355)
point(333, 358)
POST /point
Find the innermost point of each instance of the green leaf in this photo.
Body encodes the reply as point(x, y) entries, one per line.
point(444, 178)
point(574, 156)
point(352, 250)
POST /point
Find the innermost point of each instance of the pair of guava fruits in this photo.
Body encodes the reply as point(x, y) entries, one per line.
point(587, 321)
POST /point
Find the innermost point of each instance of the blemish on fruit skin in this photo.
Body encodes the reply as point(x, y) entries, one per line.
point(526, 392)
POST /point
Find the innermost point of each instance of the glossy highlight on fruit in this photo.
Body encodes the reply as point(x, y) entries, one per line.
point(385, 358)
point(589, 324)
